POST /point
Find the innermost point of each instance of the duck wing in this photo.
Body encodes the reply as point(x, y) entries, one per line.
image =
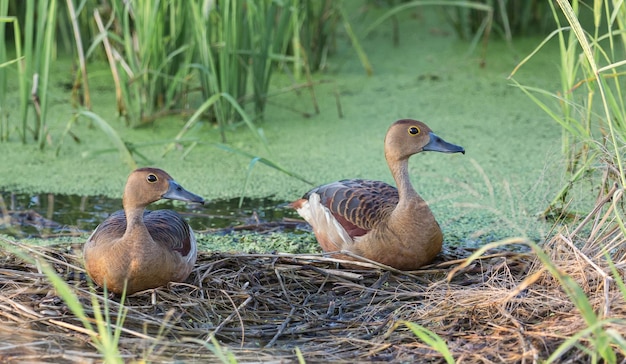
point(112, 228)
point(169, 228)
point(166, 227)
point(358, 205)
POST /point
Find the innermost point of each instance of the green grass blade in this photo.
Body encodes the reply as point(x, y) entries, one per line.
point(431, 339)
point(355, 42)
point(537, 49)
point(208, 104)
point(618, 340)
point(113, 137)
point(100, 338)
point(224, 356)
point(247, 179)
point(573, 341)
point(192, 121)
point(262, 160)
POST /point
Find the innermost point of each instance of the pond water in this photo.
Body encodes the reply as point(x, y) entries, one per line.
point(53, 215)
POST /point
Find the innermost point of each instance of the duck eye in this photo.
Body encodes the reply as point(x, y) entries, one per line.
point(414, 130)
point(152, 178)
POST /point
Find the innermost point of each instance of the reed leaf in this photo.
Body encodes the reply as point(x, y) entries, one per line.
point(44, 69)
point(213, 100)
point(20, 71)
point(355, 42)
point(113, 136)
point(262, 160)
point(253, 161)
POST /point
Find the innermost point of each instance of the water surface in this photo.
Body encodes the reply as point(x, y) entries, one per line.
point(48, 215)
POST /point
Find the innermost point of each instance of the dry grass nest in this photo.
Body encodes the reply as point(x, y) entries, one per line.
point(496, 306)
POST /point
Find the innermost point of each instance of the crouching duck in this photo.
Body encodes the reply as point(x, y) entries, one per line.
point(143, 249)
point(371, 219)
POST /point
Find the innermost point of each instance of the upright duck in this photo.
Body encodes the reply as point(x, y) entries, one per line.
point(371, 219)
point(143, 249)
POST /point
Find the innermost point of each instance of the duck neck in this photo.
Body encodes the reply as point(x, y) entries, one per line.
point(400, 172)
point(134, 219)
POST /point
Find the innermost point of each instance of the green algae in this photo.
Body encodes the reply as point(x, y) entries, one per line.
point(252, 242)
point(511, 170)
point(232, 242)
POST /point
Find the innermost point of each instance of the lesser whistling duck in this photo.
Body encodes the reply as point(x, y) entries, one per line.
point(145, 249)
point(371, 219)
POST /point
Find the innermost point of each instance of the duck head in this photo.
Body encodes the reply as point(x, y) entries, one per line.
point(148, 185)
point(407, 137)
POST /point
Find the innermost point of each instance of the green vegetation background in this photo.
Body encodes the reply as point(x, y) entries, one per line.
point(510, 172)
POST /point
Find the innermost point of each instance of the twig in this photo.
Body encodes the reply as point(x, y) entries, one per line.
point(282, 327)
point(595, 210)
point(230, 318)
point(607, 279)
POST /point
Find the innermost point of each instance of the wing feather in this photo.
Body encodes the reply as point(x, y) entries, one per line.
point(358, 205)
point(165, 226)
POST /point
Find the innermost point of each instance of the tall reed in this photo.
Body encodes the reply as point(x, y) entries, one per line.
point(149, 50)
point(154, 47)
point(483, 31)
point(34, 69)
point(4, 62)
point(270, 26)
point(591, 110)
point(159, 43)
point(80, 54)
point(316, 26)
point(4, 20)
point(238, 45)
point(590, 105)
point(220, 35)
point(39, 91)
point(511, 17)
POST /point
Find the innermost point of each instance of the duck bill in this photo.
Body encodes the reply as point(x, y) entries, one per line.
point(436, 144)
point(177, 192)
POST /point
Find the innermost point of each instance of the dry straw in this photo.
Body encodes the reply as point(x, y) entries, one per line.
point(501, 306)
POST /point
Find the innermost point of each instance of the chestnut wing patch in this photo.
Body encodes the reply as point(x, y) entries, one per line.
point(358, 205)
